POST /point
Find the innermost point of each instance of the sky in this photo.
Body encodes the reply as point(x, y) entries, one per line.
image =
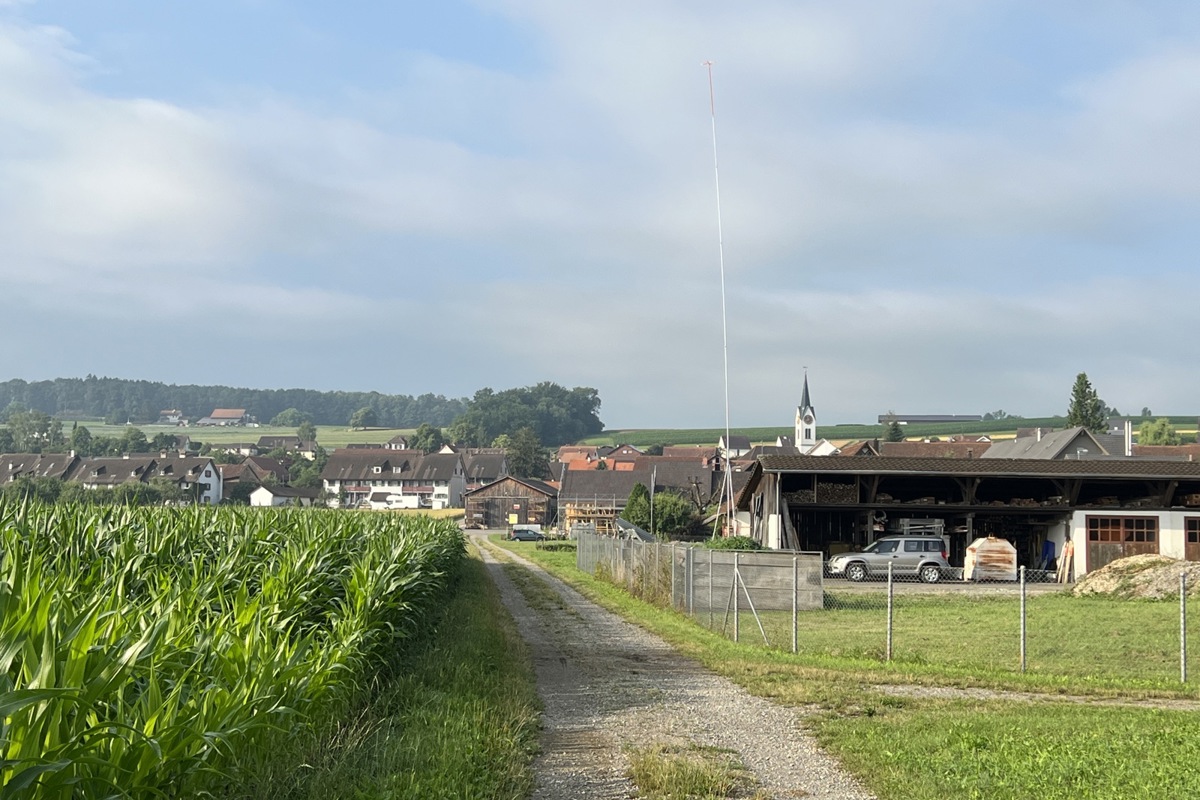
point(933, 206)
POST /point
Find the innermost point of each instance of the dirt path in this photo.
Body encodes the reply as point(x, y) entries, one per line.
point(607, 685)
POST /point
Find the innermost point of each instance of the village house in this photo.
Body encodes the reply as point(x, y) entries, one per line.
point(436, 479)
point(196, 476)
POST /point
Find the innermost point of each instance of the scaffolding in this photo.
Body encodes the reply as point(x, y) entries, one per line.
point(598, 511)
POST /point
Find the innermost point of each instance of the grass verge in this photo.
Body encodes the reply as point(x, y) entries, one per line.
point(456, 716)
point(910, 747)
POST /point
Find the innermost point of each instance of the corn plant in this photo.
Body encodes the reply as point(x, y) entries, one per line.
point(164, 652)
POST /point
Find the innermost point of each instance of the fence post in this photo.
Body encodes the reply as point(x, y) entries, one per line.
point(673, 605)
point(1183, 627)
point(691, 580)
point(1022, 619)
point(795, 599)
point(888, 652)
point(736, 599)
point(711, 621)
point(630, 558)
point(658, 566)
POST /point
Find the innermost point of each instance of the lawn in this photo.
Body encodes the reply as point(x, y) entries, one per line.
point(1104, 746)
point(1081, 639)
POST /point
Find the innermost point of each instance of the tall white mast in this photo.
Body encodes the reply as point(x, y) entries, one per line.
point(727, 478)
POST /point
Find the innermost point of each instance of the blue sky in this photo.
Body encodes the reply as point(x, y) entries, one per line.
point(934, 206)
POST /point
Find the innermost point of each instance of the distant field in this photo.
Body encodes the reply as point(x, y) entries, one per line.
point(328, 436)
point(645, 437)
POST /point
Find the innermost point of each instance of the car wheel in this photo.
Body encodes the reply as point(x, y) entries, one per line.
point(856, 572)
point(931, 573)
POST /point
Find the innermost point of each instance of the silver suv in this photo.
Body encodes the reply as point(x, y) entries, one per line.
point(921, 556)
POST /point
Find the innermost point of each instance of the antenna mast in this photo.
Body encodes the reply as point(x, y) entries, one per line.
point(727, 478)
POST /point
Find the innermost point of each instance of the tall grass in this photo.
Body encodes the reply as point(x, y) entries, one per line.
point(166, 652)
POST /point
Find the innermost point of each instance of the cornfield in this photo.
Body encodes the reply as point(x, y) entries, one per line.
point(167, 652)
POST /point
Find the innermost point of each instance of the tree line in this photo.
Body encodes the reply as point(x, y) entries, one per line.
point(117, 401)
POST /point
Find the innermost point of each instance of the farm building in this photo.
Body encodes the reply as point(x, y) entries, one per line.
point(1107, 508)
point(511, 501)
point(271, 496)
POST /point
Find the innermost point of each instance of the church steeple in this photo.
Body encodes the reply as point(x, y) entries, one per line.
point(806, 420)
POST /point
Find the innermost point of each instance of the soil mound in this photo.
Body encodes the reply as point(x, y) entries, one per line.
point(1145, 577)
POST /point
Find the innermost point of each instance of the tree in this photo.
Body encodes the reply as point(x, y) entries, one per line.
point(238, 494)
point(134, 441)
point(673, 514)
point(43, 489)
point(1086, 408)
point(74, 493)
point(306, 431)
point(1146, 414)
point(35, 431)
point(637, 507)
point(556, 414)
point(426, 438)
point(1160, 431)
point(526, 456)
point(81, 441)
point(162, 441)
point(363, 418)
point(290, 418)
point(15, 407)
point(892, 432)
point(135, 493)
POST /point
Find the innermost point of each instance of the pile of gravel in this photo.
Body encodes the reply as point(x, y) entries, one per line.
point(1144, 577)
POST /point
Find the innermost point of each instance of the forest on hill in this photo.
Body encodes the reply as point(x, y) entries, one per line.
point(553, 414)
point(117, 401)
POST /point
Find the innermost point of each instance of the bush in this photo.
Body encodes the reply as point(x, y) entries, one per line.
point(732, 543)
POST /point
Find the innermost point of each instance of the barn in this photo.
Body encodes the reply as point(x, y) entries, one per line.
point(1106, 508)
point(511, 501)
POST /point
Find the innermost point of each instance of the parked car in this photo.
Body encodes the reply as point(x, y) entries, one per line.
point(923, 557)
point(527, 535)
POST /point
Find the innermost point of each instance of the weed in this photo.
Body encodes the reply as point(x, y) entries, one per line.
point(689, 772)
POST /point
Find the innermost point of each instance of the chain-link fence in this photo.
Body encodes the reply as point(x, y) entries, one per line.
point(959, 619)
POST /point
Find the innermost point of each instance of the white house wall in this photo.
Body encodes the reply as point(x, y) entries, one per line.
point(1171, 533)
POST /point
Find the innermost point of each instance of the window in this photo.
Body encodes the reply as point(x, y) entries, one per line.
point(912, 547)
point(934, 547)
point(1192, 527)
point(1122, 529)
point(376, 470)
point(887, 547)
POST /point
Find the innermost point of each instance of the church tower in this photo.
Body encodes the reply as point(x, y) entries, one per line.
point(806, 421)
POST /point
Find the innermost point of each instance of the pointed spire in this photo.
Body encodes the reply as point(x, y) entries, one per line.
point(805, 402)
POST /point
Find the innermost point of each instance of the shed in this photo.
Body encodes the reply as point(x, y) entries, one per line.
point(511, 501)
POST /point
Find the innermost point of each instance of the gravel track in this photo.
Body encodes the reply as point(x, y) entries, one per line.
point(607, 685)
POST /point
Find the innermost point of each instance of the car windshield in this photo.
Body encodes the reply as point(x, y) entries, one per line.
point(871, 548)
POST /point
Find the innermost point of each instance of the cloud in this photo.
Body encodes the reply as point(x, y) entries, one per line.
point(916, 252)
